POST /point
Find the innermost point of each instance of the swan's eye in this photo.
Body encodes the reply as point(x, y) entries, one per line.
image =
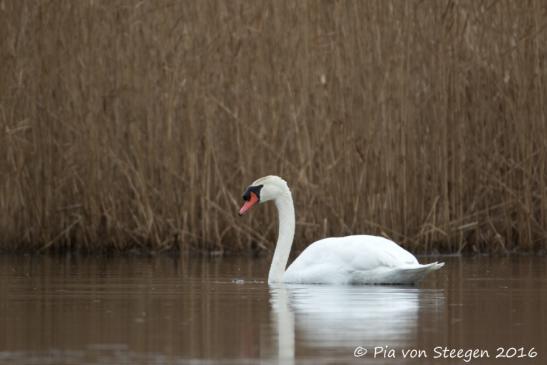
point(252, 189)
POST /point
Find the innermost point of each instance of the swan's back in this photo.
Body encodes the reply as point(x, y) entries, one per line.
point(359, 259)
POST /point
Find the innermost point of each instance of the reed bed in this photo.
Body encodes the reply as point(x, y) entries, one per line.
point(138, 124)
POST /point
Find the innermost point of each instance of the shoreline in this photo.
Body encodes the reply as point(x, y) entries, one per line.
point(196, 253)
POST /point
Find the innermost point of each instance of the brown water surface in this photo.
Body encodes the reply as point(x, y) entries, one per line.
point(163, 310)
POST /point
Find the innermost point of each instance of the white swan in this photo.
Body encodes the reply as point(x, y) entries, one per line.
point(337, 260)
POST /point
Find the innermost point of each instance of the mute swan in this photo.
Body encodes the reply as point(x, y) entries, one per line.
point(336, 260)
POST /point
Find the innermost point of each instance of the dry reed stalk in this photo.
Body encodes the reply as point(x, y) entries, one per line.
point(131, 124)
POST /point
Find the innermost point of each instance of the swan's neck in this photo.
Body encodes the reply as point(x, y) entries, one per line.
point(285, 210)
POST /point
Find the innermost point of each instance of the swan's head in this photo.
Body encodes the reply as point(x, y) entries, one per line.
point(264, 189)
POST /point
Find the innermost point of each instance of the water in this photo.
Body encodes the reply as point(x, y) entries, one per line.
point(185, 310)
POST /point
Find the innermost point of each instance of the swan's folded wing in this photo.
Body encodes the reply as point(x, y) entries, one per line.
point(335, 259)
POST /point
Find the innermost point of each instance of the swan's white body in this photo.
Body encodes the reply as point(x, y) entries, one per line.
point(356, 259)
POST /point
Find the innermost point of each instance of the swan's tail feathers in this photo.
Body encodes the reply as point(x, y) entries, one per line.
point(415, 274)
point(435, 265)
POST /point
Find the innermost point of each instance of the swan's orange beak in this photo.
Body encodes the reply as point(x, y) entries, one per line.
point(249, 204)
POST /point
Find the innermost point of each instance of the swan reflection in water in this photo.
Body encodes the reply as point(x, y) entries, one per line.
point(327, 317)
